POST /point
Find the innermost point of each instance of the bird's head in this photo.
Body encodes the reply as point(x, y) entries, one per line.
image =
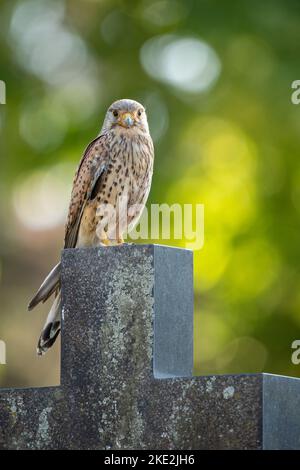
point(126, 114)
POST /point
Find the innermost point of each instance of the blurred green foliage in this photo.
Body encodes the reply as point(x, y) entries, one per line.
point(216, 80)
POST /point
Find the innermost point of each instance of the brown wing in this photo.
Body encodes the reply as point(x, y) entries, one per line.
point(91, 168)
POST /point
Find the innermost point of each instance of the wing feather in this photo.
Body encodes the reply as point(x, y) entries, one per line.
point(90, 170)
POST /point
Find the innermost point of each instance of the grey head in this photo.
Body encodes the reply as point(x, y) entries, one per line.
point(126, 114)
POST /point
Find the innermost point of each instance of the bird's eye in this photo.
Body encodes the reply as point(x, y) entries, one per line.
point(115, 112)
point(140, 112)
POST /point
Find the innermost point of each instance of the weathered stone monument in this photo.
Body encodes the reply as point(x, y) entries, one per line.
point(126, 371)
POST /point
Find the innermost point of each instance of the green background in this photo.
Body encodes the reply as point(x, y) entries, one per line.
point(216, 80)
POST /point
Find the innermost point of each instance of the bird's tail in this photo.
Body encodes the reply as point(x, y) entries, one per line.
point(52, 326)
point(49, 286)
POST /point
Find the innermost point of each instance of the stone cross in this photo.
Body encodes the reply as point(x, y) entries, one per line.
point(126, 369)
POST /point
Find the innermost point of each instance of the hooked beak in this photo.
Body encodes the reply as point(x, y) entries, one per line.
point(126, 120)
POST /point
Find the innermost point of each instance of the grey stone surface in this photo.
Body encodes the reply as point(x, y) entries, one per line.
point(112, 394)
point(281, 425)
point(174, 311)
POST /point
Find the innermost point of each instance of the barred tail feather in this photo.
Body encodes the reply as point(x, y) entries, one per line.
point(52, 327)
point(49, 286)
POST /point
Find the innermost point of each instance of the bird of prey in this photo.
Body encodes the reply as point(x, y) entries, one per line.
point(110, 189)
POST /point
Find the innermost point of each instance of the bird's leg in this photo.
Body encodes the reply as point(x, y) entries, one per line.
point(103, 239)
point(104, 242)
point(120, 240)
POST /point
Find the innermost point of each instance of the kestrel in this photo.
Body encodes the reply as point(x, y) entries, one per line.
point(110, 189)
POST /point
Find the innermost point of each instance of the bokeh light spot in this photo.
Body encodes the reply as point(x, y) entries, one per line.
point(244, 353)
point(187, 63)
point(43, 45)
point(41, 198)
